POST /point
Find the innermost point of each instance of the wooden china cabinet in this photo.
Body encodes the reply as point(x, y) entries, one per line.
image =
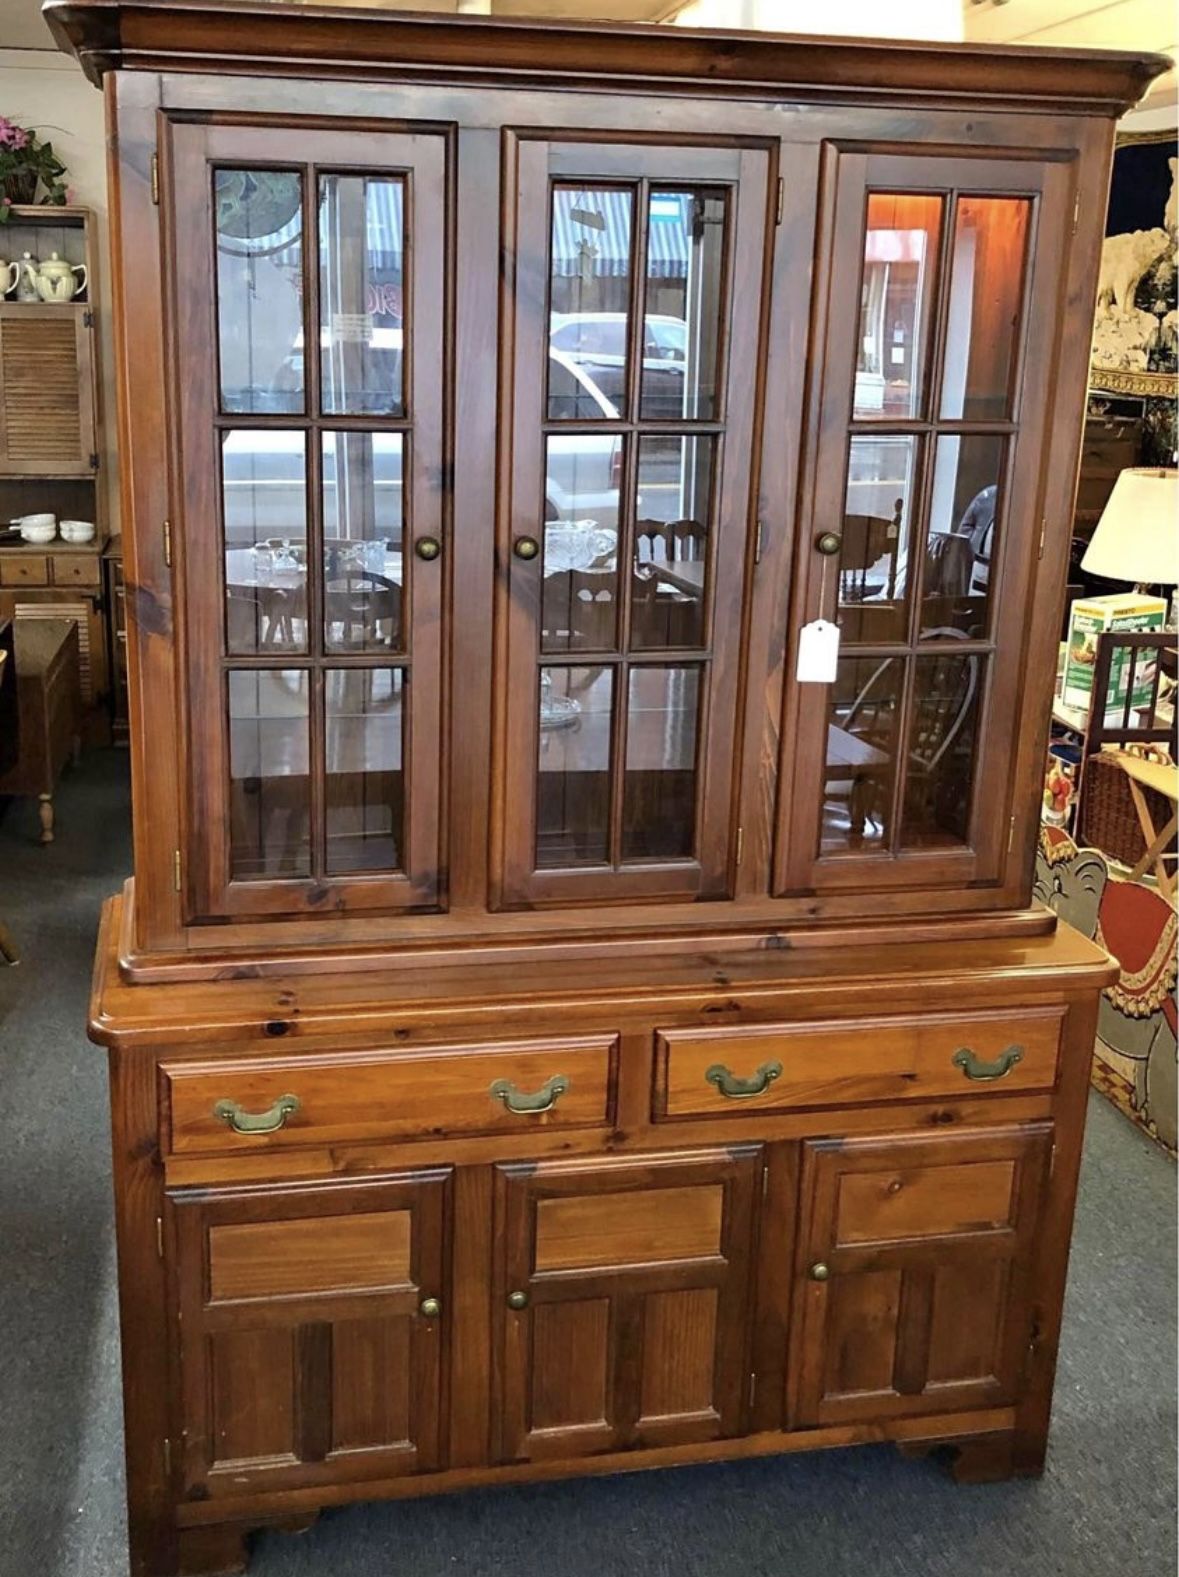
point(596, 504)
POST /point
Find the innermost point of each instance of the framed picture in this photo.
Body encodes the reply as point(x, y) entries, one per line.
point(1136, 330)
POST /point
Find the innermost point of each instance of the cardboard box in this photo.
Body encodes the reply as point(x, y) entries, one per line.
point(1090, 617)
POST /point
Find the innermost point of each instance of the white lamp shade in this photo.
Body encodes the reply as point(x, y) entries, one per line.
point(1137, 537)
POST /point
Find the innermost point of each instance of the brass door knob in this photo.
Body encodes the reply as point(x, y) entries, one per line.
point(429, 1308)
point(517, 1300)
point(427, 548)
point(526, 547)
point(819, 1271)
point(828, 543)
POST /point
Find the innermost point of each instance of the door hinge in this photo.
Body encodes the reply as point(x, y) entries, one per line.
point(88, 319)
point(176, 869)
point(1011, 836)
point(1043, 535)
point(160, 1236)
point(752, 1387)
point(765, 1181)
point(167, 1458)
point(781, 199)
point(168, 543)
point(1076, 213)
point(155, 178)
point(740, 844)
point(757, 542)
point(94, 459)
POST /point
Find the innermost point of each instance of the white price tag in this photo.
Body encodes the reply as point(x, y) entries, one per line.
point(818, 652)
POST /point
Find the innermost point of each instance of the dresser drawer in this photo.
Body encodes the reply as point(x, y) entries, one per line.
point(31, 571)
point(76, 569)
point(703, 1072)
point(338, 1096)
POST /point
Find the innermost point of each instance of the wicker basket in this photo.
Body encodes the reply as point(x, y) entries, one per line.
point(1106, 818)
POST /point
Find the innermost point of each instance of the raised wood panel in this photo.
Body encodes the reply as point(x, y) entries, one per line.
point(608, 1334)
point(913, 1273)
point(628, 1229)
point(279, 1258)
point(865, 1060)
point(371, 1402)
point(252, 1402)
point(46, 391)
point(378, 1094)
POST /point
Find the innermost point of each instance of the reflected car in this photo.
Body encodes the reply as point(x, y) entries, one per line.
point(596, 342)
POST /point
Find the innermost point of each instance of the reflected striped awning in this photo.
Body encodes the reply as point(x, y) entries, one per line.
point(592, 233)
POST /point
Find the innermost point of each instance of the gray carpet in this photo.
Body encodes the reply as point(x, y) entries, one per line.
point(1106, 1505)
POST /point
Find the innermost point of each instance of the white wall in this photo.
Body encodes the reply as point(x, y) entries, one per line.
point(40, 88)
point(851, 18)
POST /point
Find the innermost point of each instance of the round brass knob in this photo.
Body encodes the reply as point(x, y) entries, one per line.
point(517, 1300)
point(819, 1272)
point(526, 547)
point(429, 1308)
point(427, 548)
point(828, 543)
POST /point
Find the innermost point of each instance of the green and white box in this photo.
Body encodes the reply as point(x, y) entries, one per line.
point(1093, 616)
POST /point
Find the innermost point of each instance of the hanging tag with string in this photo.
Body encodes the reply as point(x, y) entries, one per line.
point(818, 643)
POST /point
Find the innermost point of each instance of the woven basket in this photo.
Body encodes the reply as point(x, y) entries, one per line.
point(1106, 818)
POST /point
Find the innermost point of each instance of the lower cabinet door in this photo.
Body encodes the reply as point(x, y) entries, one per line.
point(622, 1299)
point(312, 1332)
point(913, 1275)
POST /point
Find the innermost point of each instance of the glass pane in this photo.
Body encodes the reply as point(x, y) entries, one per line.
point(986, 298)
point(579, 607)
point(259, 220)
point(264, 493)
point(861, 746)
point(682, 322)
point(873, 561)
point(961, 539)
point(269, 791)
point(364, 788)
point(942, 741)
point(659, 790)
point(361, 301)
point(589, 296)
point(573, 767)
point(897, 294)
point(362, 540)
point(673, 512)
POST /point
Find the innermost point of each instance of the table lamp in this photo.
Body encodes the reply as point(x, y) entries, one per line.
point(1137, 537)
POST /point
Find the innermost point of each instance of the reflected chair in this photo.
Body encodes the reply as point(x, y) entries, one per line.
point(580, 610)
point(362, 610)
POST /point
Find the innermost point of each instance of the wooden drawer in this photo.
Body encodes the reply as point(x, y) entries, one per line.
point(76, 569)
point(844, 1064)
point(30, 571)
point(384, 1094)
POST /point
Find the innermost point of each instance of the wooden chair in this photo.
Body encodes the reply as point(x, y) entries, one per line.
point(866, 540)
point(580, 610)
point(366, 608)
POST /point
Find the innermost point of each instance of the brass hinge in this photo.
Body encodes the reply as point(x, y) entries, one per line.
point(167, 1458)
point(740, 844)
point(1076, 213)
point(1043, 534)
point(88, 319)
point(160, 1236)
point(1011, 836)
point(168, 543)
point(752, 1387)
point(781, 198)
point(155, 178)
point(765, 1181)
point(757, 541)
point(176, 869)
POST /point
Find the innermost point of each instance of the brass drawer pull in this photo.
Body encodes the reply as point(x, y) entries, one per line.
point(242, 1121)
point(975, 1068)
point(734, 1088)
point(542, 1101)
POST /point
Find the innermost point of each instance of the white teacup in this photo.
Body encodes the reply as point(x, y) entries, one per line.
point(77, 530)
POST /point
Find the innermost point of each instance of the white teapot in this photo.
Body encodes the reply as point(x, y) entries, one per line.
point(9, 274)
point(26, 278)
point(57, 280)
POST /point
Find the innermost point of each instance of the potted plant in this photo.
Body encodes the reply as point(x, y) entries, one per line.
point(30, 171)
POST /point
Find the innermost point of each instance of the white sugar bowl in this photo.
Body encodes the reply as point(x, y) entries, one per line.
point(77, 530)
point(38, 529)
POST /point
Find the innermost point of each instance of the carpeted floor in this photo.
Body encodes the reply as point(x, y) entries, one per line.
point(1105, 1507)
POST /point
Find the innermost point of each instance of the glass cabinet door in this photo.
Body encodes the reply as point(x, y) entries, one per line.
point(627, 441)
point(309, 303)
point(924, 520)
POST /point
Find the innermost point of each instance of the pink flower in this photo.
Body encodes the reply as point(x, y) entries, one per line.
point(12, 135)
point(71, 194)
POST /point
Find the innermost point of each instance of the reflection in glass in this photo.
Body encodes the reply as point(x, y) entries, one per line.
point(264, 502)
point(873, 561)
point(364, 783)
point(942, 741)
point(986, 298)
point(579, 598)
point(961, 540)
point(362, 546)
point(897, 293)
point(259, 226)
point(361, 294)
point(659, 789)
point(590, 269)
point(683, 309)
point(861, 748)
point(573, 767)
point(673, 511)
point(269, 799)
